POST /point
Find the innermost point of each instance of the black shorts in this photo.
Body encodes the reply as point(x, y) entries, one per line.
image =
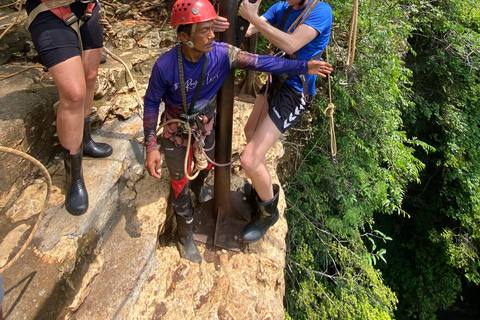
point(56, 42)
point(286, 104)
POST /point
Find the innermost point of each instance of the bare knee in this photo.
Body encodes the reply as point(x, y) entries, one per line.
point(249, 161)
point(73, 96)
point(91, 78)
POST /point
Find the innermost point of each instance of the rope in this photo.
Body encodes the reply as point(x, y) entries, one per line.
point(351, 46)
point(7, 5)
point(200, 163)
point(308, 9)
point(329, 111)
point(45, 203)
point(140, 102)
point(16, 19)
point(18, 72)
point(352, 36)
point(109, 30)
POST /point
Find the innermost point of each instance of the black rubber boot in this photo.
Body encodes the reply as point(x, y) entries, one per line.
point(251, 197)
point(202, 192)
point(185, 242)
point(76, 196)
point(92, 148)
point(267, 215)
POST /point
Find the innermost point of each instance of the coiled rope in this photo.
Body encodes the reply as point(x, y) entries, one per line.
point(45, 203)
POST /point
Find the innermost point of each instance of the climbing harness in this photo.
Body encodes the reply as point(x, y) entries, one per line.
point(298, 21)
point(61, 8)
point(45, 203)
point(192, 121)
point(351, 42)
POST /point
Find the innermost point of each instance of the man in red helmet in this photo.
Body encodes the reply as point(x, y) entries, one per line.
point(187, 79)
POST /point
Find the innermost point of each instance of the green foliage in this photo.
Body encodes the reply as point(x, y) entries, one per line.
point(331, 269)
point(446, 115)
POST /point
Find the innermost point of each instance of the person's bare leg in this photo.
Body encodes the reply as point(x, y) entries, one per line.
point(259, 111)
point(91, 61)
point(253, 157)
point(70, 81)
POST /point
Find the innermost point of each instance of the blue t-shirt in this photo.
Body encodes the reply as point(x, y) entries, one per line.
point(164, 83)
point(320, 19)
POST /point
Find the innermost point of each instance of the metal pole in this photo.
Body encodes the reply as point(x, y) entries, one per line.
point(223, 148)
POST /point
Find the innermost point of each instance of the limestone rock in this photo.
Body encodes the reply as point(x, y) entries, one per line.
point(125, 106)
point(10, 242)
point(150, 40)
point(30, 203)
point(15, 40)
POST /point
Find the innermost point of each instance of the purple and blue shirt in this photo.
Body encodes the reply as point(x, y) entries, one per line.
point(164, 84)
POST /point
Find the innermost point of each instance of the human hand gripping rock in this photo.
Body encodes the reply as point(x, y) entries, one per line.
point(319, 68)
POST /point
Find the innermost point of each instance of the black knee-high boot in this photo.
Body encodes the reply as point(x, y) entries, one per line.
point(76, 196)
point(266, 216)
point(92, 148)
point(251, 197)
point(185, 242)
point(198, 187)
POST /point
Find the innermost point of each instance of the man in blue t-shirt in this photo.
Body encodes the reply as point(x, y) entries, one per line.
point(302, 32)
point(176, 80)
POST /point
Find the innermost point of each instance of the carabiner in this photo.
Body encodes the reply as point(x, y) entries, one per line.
point(179, 133)
point(344, 73)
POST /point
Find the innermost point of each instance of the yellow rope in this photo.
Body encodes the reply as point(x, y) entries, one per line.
point(15, 21)
point(352, 36)
point(329, 111)
point(45, 203)
point(199, 164)
point(23, 70)
point(308, 9)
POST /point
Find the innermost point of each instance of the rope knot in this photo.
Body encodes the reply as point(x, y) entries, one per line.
point(329, 110)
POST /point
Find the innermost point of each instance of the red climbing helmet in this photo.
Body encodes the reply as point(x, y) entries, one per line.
point(192, 11)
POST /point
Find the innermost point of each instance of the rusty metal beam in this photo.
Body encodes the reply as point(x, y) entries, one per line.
point(223, 149)
point(219, 222)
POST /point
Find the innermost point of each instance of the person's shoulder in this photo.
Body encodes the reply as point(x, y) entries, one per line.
point(279, 6)
point(166, 61)
point(167, 56)
point(219, 47)
point(323, 7)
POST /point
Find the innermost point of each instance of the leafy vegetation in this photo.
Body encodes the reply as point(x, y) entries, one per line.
point(391, 230)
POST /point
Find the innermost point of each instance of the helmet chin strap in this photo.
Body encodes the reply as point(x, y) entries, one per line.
point(192, 34)
point(301, 3)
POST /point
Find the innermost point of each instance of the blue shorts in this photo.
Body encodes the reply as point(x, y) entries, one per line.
point(56, 42)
